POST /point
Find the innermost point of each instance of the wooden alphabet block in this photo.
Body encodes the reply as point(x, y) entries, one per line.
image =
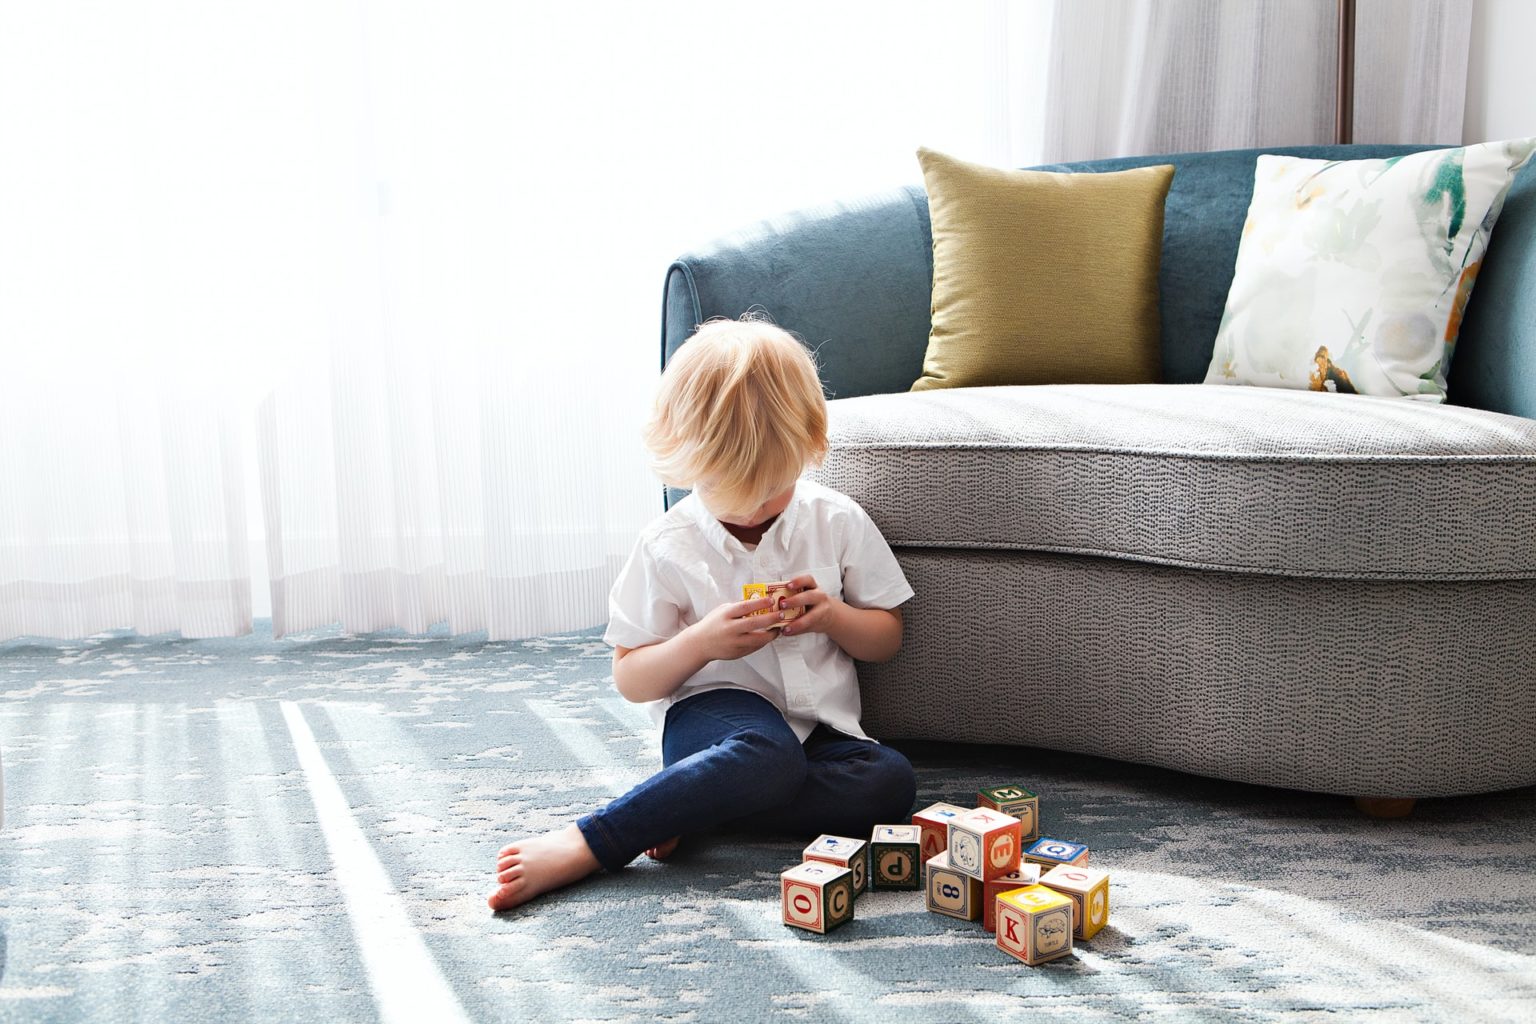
point(1050, 852)
point(950, 892)
point(778, 591)
point(894, 857)
point(984, 843)
point(1088, 889)
point(1025, 876)
point(934, 821)
point(817, 897)
point(1017, 801)
point(852, 854)
point(1034, 924)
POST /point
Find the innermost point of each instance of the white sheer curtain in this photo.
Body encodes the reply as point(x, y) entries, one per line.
point(372, 288)
point(1132, 77)
point(125, 318)
point(466, 450)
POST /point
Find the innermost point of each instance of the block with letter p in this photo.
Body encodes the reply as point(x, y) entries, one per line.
point(984, 843)
point(817, 897)
point(1018, 802)
point(1034, 924)
point(894, 861)
point(1088, 889)
point(847, 853)
point(950, 892)
point(934, 821)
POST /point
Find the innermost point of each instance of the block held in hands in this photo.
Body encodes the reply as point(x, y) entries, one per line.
point(778, 591)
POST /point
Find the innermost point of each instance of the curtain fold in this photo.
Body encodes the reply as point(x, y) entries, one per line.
point(131, 515)
point(1135, 77)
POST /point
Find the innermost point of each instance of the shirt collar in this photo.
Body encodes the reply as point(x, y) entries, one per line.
point(720, 538)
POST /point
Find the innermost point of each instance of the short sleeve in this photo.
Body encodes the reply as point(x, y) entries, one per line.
point(640, 610)
point(872, 578)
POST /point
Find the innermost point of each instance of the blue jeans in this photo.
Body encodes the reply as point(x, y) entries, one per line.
point(732, 760)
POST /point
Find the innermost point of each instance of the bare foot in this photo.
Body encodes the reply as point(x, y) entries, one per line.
point(663, 851)
point(530, 867)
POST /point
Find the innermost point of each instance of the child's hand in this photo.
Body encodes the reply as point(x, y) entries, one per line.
point(820, 607)
point(730, 631)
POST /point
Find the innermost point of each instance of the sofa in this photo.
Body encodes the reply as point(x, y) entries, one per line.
point(1324, 592)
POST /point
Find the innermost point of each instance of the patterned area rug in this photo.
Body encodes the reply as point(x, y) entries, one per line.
point(304, 830)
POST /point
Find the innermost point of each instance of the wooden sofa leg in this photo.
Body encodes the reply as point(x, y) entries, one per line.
point(1385, 806)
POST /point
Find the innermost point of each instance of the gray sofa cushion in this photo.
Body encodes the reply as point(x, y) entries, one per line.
point(1237, 479)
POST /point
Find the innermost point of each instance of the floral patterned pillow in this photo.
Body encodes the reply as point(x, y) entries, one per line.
point(1352, 275)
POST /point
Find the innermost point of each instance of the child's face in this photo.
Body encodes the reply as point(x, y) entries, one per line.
point(767, 510)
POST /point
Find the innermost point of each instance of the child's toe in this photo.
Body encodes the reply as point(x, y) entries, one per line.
point(506, 862)
point(506, 896)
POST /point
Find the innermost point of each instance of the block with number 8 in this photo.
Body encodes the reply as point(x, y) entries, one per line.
point(950, 892)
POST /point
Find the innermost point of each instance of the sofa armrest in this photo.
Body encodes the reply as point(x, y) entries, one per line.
point(851, 279)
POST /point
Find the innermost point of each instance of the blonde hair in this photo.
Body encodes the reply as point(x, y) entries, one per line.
point(739, 408)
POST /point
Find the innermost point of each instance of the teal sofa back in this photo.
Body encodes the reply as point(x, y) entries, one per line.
point(854, 279)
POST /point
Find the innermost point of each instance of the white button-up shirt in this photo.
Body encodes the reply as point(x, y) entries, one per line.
point(686, 564)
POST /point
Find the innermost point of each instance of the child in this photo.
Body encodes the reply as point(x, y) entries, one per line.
point(760, 725)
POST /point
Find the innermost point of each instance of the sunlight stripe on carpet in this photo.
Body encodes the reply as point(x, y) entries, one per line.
point(406, 982)
point(587, 747)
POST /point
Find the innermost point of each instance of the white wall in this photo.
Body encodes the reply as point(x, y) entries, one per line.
point(1501, 75)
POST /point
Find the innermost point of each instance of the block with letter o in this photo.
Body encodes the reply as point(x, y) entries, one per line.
point(817, 897)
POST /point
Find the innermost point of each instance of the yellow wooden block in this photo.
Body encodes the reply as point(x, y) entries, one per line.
point(1034, 924)
point(778, 590)
point(1088, 888)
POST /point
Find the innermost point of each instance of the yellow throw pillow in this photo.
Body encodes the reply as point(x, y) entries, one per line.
point(1041, 277)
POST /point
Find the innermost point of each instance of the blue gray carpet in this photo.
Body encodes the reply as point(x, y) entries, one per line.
point(304, 830)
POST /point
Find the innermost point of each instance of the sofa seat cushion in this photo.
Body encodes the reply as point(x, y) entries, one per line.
point(1237, 479)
